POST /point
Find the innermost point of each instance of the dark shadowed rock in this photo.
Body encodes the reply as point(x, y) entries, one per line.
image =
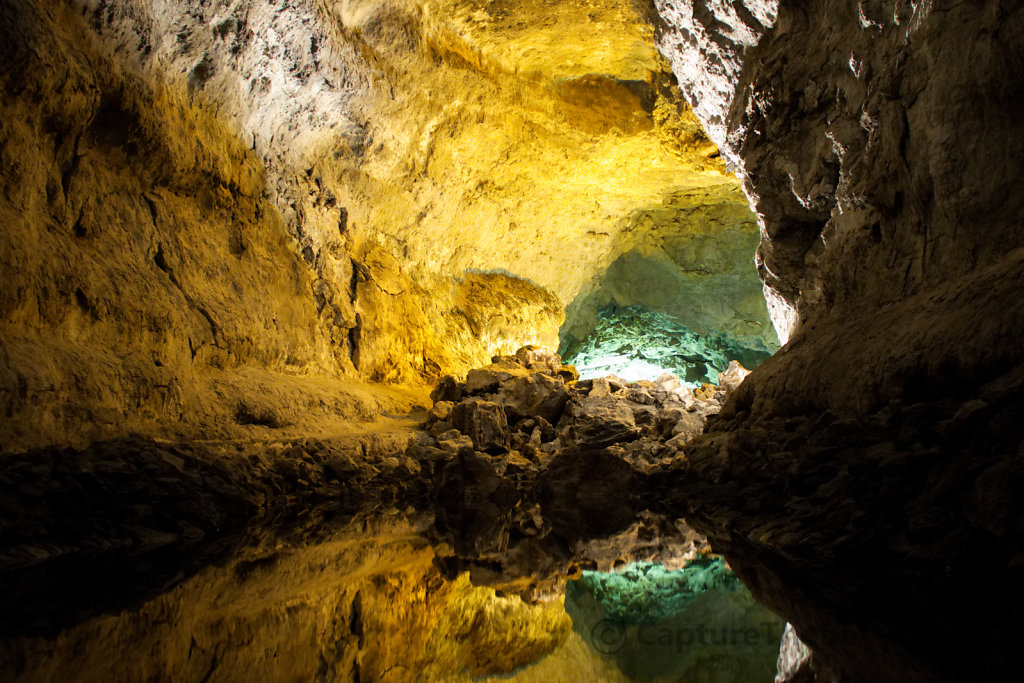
point(448, 389)
point(484, 422)
point(601, 421)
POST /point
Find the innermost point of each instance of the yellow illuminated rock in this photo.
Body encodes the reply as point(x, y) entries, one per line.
point(277, 203)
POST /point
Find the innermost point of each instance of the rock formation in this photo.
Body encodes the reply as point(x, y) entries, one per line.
point(877, 143)
point(252, 192)
point(536, 473)
point(240, 236)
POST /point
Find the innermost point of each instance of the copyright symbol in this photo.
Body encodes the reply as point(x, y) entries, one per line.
point(608, 636)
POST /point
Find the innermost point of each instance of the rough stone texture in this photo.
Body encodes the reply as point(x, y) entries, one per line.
point(636, 342)
point(879, 143)
point(214, 212)
point(210, 202)
point(601, 421)
point(149, 284)
point(484, 422)
point(569, 488)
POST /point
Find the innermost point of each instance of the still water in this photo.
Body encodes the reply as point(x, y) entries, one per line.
point(361, 599)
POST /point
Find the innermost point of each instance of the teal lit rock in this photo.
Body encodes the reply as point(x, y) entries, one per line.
point(635, 342)
point(696, 623)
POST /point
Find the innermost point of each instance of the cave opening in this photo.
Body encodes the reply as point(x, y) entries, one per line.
point(684, 300)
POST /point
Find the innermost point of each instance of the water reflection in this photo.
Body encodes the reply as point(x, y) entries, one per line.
point(694, 623)
point(134, 560)
point(345, 598)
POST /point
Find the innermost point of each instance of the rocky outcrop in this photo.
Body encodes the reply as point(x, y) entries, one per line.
point(636, 342)
point(877, 144)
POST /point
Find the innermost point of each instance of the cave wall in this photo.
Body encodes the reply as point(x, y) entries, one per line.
point(874, 159)
point(134, 225)
point(879, 143)
point(233, 217)
point(226, 216)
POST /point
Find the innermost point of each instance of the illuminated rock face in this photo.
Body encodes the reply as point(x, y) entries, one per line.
point(691, 266)
point(221, 204)
point(636, 343)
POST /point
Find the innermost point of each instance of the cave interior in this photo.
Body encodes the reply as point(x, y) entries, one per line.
point(480, 340)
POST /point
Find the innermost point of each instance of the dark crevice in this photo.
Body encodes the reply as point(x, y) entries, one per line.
point(78, 229)
point(354, 335)
point(160, 259)
point(355, 622)
point(82, 300)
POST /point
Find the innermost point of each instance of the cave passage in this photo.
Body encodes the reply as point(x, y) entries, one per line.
point(392, 340)
point(686, 301)
point(637, 343)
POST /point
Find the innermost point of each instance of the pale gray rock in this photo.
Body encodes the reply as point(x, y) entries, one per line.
point(794, 659)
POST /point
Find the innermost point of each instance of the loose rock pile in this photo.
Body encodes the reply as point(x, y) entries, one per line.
point(527, 407)
point(535, 471)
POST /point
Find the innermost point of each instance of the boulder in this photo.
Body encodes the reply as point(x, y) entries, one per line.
point(731, 379)
point(536, 395)
point(605, 386)
point(439, 427)
point(569, 373)
point(441, 410)
point(454, 442)
point(689, 425)
point(600, 421)
point(539, 359)
point(487, 379)
point(484, 422)
point(448, 389)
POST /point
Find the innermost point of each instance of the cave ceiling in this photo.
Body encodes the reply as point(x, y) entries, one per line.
point(458, 136)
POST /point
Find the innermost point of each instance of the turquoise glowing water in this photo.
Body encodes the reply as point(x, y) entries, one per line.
point(697, 623)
